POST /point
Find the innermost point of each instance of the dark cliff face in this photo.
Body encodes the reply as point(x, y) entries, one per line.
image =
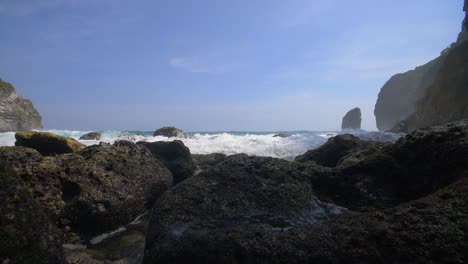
point(398, 97)
point(416, 96)
point(447, 98)
point(16, 113)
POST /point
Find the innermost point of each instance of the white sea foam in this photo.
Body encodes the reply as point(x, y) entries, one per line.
point(259, 144)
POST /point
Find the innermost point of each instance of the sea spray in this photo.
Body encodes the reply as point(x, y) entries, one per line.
point(251, 143)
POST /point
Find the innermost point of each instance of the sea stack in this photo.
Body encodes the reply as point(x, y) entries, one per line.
point(16, 112)
point(352, 119)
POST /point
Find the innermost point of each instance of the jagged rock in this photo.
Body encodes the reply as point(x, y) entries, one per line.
point(91, 136)
point(16, 113)
point(27, 235)
point(232, 202)
point(175, 155)
point(446, 99)
point(337, 149)
point(170, 132)
point(47, 143)
point(95, 190)
point(416, 165)
point(352, 119)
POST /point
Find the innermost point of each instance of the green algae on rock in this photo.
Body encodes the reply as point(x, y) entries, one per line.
point(47, 143)
point(27, 235)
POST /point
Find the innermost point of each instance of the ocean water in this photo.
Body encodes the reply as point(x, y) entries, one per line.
point(234, 142)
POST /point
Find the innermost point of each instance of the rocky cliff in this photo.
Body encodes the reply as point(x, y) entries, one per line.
point(405, 93)
point(446, 99)
point(16, 113)
point(398, 97)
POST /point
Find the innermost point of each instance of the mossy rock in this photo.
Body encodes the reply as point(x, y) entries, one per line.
point(91, 136)
point(27, 235)
point(170, 132)
point(47, 143)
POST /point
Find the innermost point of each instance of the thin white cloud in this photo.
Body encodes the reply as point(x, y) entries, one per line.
point(197, 65)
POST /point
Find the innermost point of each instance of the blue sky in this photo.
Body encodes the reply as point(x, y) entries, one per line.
point(213, 65)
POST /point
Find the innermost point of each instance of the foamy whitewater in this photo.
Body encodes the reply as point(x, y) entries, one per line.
point(251, 143)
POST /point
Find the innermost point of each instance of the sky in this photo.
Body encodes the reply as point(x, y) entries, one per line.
point(215, 65)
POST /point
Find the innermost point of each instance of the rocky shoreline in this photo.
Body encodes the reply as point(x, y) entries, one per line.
point(349, 201)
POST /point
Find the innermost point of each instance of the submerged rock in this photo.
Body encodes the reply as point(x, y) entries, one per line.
point(175, 155)
point(91, 136)
point(47, 143)
point(27, 235)
point(170, 132)
point(337, 149)
point(16, 113)
point(232, 203)
point(352, 119)
point(282, 135)
point(92, 191)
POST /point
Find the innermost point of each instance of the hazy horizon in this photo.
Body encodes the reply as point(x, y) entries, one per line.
point(215, 65)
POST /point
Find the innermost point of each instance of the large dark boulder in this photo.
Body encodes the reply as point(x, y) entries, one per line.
point(230, 226)
point(416, 165)
point(206, 161)
point(238, 202)
point(175, 155)
point(96, 190)
point(16, 113)
point(47, 143)
point(352, 119)
point(27, 235)
point(337, 149)
point(91, 136)
point(170, 132)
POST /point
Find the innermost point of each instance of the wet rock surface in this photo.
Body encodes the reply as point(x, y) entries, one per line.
point(206, 161)
point(170, 132)
point(175, 155)
point(27, 235)
point(339, 149)
point(234, 199)
point(91, 136)
point(47, 143)
point(95, 190)
point(416, 165)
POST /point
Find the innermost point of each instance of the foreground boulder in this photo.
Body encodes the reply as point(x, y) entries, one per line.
point(232, 203)
point(428, 230)
point(16, 113)
point(96, 190)
point(338, 149)
point(416, 165)
point(352, 119)
point(206, 161)
point(170, 132)
point(26, 233)
point(175, 155)
point(47, 143)
point(91, 136)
